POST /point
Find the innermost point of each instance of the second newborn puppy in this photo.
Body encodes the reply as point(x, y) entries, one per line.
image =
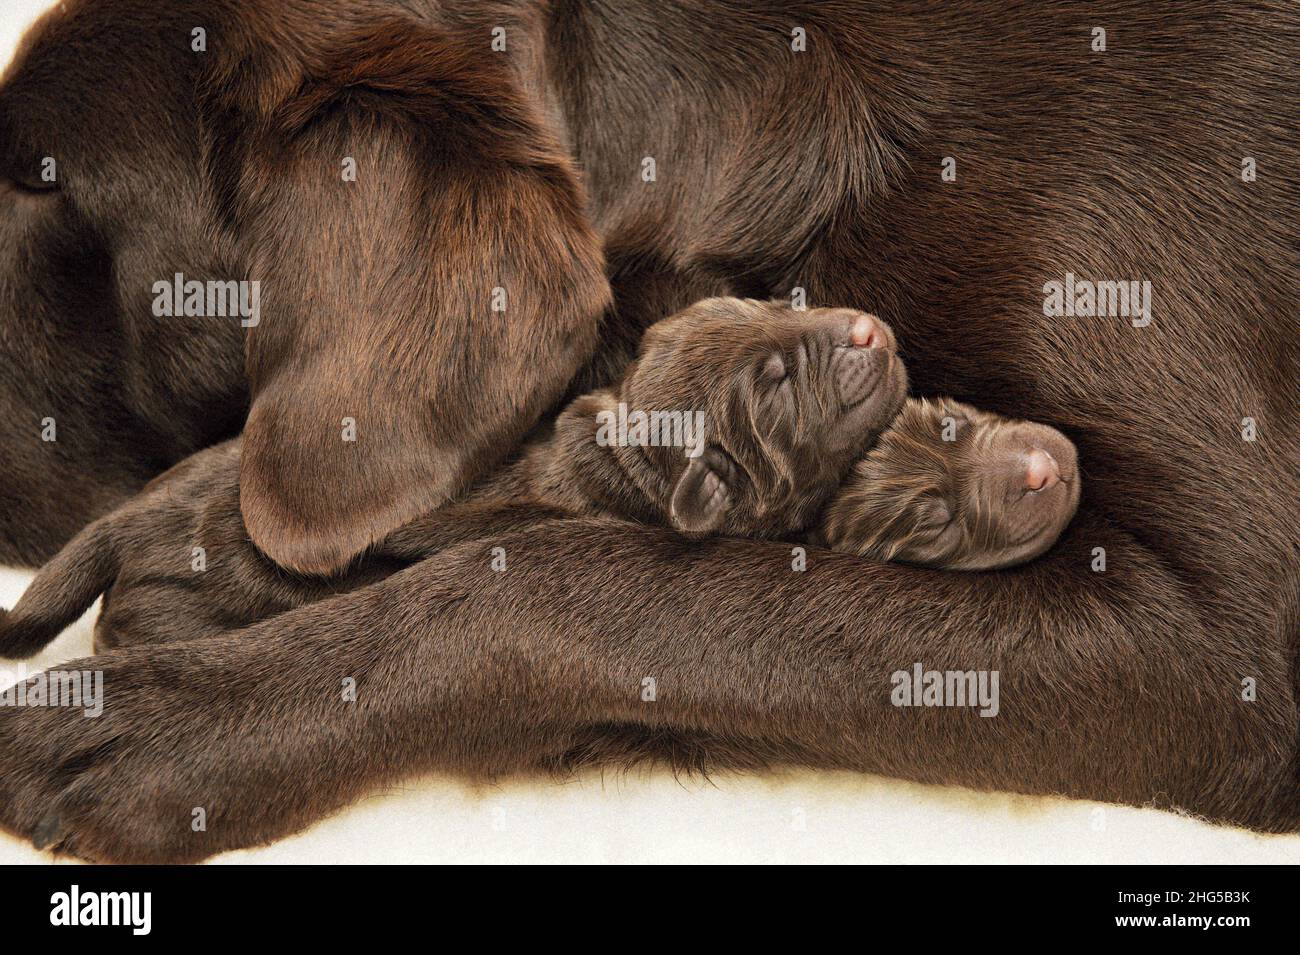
point(951, 486)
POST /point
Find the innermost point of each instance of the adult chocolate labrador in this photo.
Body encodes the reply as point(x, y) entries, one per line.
point(433, 196)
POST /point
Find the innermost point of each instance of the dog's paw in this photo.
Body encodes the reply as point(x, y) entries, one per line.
point(138, 767)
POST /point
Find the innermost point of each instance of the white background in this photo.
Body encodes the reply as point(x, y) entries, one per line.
point(648, 816)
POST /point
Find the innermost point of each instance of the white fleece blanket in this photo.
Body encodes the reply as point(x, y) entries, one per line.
point(649, 816)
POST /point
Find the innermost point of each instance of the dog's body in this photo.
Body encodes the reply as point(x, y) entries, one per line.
point(1164, 674)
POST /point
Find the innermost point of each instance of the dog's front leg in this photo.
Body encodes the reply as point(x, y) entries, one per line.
point(594, 638)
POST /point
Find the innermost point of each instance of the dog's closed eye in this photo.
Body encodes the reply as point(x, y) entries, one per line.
point(30, 185)
point(27, 177)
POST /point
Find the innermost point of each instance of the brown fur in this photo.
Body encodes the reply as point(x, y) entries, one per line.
point(776, 169)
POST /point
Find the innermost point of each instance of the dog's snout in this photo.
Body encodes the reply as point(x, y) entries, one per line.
point(864, 356)
point(1041, 470)
point(865, 332)
point(857, 372)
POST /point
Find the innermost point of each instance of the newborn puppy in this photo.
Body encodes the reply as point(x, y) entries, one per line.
point(781, 403)
point(995, 493)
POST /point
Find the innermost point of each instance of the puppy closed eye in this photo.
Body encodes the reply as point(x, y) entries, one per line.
point(775, 369)
point(933, 515)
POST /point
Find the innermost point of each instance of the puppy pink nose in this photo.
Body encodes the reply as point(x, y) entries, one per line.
point(1041, 470)
point(866, 333)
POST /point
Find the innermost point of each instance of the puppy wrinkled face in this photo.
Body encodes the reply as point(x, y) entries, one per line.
point(787, 401)
point(951, 486)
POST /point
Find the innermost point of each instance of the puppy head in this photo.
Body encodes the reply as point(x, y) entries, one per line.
point(948, 485)
point(784, 401)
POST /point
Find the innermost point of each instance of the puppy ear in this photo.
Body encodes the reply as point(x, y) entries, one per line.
point(428, 280)
point(703, 494)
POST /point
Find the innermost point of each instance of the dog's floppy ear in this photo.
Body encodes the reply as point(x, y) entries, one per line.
point(428, 280)
point(703, 493)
